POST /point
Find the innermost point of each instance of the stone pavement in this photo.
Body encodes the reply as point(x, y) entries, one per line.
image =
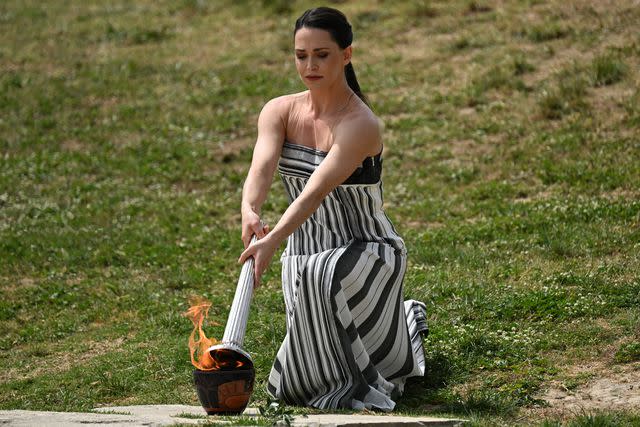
point(167, 415)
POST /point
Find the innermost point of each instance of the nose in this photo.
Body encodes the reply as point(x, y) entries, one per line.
point(312, 64)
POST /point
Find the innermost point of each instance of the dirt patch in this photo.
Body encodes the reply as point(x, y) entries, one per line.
point(603, 393)
point(610, 102)
point(72, 145)
point(105, 105)
point(598, 387)
point(546, 68)
point(416, 44)
point(126, 139)
point(12, 286)
point(424, 225)
point(469, 149)
point(227, 151)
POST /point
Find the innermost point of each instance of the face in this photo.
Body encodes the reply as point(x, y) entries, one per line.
point(319, 60)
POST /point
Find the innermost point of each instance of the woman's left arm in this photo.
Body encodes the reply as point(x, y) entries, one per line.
point(353, 143)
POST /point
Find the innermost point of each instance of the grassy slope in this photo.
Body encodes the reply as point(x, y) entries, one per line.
point(511, 167)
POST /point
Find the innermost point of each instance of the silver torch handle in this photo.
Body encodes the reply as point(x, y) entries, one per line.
point(237, 323)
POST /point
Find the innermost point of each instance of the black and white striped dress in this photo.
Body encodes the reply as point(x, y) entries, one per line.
point(351, 338)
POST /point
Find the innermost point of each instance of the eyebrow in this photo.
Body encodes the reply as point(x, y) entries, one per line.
point(316, 49)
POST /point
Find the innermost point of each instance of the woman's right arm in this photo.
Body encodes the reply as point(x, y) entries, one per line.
point(271, 134)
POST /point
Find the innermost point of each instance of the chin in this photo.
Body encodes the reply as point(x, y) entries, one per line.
point(315, 85)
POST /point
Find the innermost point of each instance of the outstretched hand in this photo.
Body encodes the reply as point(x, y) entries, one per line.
point(262, 251)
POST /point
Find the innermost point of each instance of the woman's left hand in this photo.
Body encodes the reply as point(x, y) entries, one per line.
point(262, 251)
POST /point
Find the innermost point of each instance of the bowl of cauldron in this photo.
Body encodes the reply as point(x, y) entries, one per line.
point(225, 390)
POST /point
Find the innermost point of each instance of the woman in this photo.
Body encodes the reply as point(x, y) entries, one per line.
point(351, 340)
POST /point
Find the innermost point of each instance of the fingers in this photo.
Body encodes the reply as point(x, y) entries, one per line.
point(251, 225)
point(258, 271)
point(258, 230)
point(247, 233)
point(256, 250)
point(246, 254)
point(262, 231)
point(256, 277)
point(250, 251)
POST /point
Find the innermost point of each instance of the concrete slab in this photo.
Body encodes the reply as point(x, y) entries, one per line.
point(167, 415)
point(335, 420)
point(148, 415)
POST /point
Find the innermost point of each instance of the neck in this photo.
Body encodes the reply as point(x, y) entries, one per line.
point(330, 100)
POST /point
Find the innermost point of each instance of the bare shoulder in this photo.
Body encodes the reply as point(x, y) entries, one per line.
point(276, 105)
point(280, 106)
point(361, 127)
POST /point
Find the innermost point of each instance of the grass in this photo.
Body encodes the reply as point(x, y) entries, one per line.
point(629, 352)
point(608, 69)
point(511, 163)
point(599, 420)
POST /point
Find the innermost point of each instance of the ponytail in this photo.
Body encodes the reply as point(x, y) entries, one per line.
point(350, 74)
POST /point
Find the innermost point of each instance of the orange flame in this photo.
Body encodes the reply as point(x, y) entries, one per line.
point(220, 359)
point(200, 357)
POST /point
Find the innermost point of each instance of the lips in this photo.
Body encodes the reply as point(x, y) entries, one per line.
point(314, 77)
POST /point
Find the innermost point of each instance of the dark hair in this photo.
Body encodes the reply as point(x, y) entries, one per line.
point(335, 22)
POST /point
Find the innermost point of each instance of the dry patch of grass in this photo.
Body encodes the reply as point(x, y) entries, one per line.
point(591, 386)
point(126, 139)
point(9, 287)
point(55, 358)
point(610, 102)
point(590, 382)
point(468, 149)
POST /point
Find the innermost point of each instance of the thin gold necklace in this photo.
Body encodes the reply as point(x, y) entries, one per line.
point(315, 135)
point(346, 103)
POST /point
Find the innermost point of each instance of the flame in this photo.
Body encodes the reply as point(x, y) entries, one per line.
point(221, 359)
point(200, 357)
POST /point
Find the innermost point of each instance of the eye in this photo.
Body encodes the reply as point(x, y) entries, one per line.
point(300, 56)
point(323, 55)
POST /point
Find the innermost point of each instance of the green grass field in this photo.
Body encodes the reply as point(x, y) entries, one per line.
point(511, 168)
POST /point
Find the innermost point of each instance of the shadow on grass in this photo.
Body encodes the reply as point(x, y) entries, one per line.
point(432, 388)
point(434, 393)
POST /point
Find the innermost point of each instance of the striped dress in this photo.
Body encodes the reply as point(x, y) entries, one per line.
point(351, 338)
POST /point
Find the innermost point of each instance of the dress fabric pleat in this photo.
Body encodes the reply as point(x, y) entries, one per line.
point(351, 338)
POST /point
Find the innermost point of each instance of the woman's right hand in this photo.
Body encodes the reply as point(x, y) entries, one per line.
point(251, 225)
